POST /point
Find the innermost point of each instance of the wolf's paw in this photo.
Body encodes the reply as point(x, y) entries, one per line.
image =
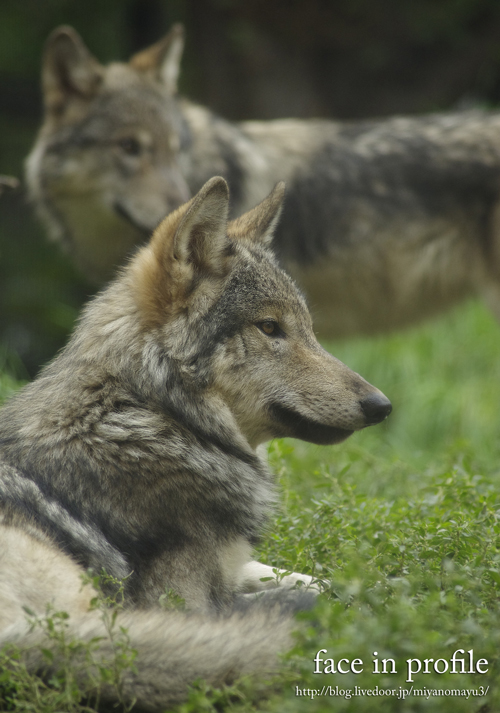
point(256, 577)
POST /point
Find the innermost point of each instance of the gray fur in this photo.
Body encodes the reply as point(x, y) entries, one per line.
point(135, 451)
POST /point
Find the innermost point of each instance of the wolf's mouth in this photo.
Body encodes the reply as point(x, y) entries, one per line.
point(123, 213)
point(296, 426)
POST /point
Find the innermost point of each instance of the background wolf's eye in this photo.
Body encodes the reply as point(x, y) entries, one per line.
point(269, 327)
point(130, 146)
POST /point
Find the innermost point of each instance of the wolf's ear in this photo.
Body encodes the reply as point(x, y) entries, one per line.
point(163, 59)
point(258, 225)
point(190, 243)
point(201, 236)
point(69, 70)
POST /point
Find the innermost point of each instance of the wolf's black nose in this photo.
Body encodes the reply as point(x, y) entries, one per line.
point(376, 407)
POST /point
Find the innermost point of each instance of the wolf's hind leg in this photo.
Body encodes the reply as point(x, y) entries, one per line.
point(35, 575)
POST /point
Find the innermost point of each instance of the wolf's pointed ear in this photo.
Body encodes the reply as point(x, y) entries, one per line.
point(201, 236)
point(258, 225)
point(163, 59)
point(69, 70)
point(191, 243)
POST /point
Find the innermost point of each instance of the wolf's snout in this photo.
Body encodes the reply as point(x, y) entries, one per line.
point(375, 407)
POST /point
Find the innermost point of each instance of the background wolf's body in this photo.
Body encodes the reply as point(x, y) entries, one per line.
point(135, 450)
point(385, 222)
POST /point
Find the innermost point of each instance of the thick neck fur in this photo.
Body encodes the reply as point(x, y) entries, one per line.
point(111, 435)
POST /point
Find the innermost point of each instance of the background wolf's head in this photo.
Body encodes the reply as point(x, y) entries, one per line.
point(106, 168)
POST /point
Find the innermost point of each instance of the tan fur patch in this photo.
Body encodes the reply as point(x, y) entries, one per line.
point(157, 277)
point(189, 243)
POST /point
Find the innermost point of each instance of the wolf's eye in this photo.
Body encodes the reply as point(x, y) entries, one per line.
point(130, 146)
point(269, 327)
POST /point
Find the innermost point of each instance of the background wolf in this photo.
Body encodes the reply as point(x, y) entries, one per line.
point(385, 222)
point(135, 450)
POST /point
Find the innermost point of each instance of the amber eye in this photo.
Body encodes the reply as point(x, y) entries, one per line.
point(269, 327)
point(130, 146)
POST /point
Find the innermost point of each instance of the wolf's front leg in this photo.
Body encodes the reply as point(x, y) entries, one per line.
point(252, 573)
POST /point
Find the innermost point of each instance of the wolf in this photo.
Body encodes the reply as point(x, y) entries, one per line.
point(135, 452)
point(385, 223)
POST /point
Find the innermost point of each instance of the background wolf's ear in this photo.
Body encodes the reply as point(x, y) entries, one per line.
point(258, 225)
point(69, 70)
point(163, 59)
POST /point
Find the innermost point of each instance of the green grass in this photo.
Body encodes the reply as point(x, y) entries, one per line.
point(403, 522)
point(10, 375)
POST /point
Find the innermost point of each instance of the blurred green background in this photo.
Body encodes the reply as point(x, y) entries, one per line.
point(245, 59)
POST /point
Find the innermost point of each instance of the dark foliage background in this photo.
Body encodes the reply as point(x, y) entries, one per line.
point(245, 59)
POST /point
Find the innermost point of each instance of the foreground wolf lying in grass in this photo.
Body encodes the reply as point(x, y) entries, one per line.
point(134, 451)
point(385, 222)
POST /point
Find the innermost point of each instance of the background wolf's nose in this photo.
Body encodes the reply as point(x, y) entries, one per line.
point(376, 407)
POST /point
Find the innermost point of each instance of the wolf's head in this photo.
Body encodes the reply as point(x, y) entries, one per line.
point(212, 329)
point(106, 167)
